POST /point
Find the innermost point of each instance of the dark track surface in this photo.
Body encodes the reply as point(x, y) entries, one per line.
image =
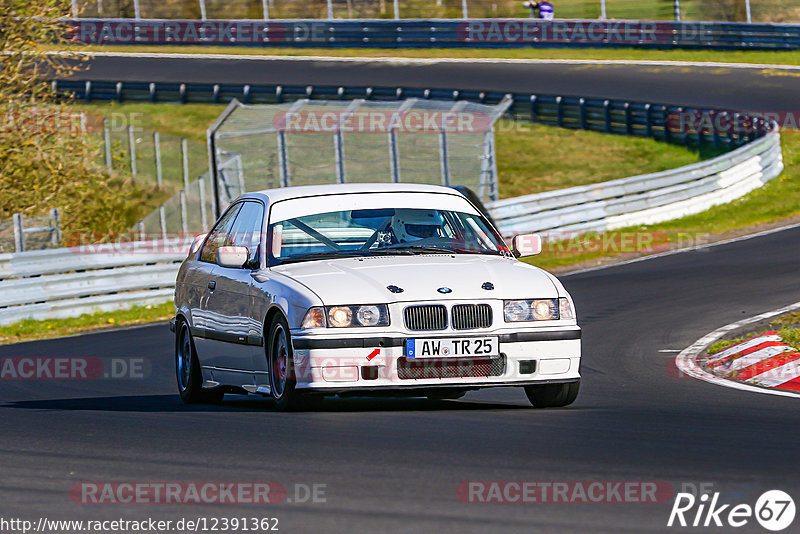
point(728, 88)
point(394, 465)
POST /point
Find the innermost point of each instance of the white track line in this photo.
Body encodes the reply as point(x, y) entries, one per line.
point(686, 361)
point(433, 61)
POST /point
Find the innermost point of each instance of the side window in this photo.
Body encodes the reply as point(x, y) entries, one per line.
point(219, 236)
point(247, 229)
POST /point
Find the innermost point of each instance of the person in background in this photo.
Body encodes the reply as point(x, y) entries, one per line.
point(545, 9)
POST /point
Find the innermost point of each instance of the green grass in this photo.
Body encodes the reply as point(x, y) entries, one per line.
point(179, 120)
point(790, 336)
point(777, 201)
point(532, 158)
point(30, 329)
point(754, 56)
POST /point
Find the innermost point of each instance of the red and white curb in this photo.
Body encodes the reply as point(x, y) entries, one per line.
point(763, 364)
point(764, 360)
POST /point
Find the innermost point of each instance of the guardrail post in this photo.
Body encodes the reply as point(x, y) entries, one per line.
point(667, 131)
point(265, 9)
point(648, 120)
point(74, 9)
point(202, 9)
point(396, 9)
point(142, 236)
point(677, 10)
point(184, 213)
point(19, 233)
point(330, 10)
point(628, 118)
point(464, 9)
point(137, 12)
point(55, 225)
point(132, 151)
point(607, 115)
point(185, 162)
point(107, 141)
point(559, 111)
point(582, 107)
point(157, 147)
point(534, 114)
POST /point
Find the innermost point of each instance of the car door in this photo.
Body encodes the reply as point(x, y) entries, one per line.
point(204, 279)
point(236, 328)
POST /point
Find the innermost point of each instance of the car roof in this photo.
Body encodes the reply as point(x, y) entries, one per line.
point(285, 193)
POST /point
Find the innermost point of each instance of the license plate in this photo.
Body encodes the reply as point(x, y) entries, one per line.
point(452, 347)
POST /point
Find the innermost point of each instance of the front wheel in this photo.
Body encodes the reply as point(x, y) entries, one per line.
point(187, 369)
point(553, 395)
point(281, 366)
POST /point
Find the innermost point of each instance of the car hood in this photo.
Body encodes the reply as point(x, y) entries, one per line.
point(365, 280)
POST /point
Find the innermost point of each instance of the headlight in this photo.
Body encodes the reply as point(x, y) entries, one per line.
point(565, 309)
point(347, 316)
point(531, 310)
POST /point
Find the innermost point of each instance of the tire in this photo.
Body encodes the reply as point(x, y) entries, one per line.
point(282, 380)
point(187, 371)
point(553, 395)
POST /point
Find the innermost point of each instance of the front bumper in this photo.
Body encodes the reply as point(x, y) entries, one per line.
point(379, 362)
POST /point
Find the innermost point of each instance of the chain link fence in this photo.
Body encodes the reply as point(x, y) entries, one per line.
point(767, 11)
point(23, 232)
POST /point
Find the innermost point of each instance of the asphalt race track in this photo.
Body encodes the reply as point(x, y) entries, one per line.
point(395, 465)
point(751, 89)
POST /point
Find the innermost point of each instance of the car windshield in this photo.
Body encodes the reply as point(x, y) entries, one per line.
point(387, 231)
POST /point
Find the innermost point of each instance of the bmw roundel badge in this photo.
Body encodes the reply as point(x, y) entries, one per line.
point(444, 290)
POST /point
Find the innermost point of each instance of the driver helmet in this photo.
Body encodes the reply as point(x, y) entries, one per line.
point(413, 224)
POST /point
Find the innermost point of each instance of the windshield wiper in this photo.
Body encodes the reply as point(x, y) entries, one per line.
point(323, 256)
point(426, 248)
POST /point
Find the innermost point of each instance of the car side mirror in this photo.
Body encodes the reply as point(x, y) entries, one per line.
point(526, 245)
point(233, 257)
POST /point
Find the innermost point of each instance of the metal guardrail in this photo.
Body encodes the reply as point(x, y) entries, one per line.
point(67, 282)
point(645, 199)
point(673, 124)
point(440, 33)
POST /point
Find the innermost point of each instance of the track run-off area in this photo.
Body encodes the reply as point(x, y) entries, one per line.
point(401, 465)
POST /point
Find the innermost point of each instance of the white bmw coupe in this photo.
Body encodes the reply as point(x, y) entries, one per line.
point(371, 289)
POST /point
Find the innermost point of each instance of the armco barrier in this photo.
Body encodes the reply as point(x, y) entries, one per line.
point(439, 33)
point(666, 123)
point(67, 282)
point(645, 199)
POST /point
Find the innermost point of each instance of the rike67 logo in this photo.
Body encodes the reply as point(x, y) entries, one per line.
point(774, 510)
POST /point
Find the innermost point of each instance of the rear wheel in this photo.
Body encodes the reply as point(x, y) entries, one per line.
point(187, 369)
point(281, 366)
point(553, 395)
